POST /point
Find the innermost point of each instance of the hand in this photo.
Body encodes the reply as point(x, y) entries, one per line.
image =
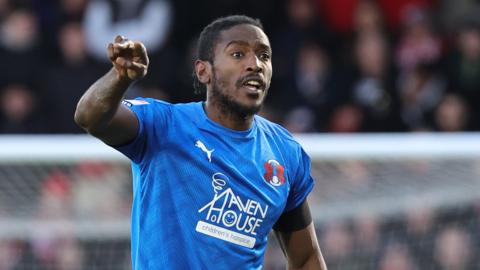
point(129, 58)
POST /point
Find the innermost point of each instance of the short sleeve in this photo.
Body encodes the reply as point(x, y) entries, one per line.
point(152, 123)
point(302, 182)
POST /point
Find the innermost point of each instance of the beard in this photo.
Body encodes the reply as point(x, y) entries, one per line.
point(227, 104)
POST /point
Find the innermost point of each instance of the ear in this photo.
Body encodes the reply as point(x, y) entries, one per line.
point(203, 70)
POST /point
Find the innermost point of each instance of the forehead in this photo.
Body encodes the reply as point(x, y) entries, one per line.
point(245, 33)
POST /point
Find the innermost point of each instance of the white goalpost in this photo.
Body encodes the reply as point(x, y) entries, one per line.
point(386, 174)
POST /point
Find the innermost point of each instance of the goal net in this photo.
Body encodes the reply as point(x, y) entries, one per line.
point(380, 202)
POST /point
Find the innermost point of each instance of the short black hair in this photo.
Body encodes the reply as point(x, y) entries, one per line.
point(209, 37)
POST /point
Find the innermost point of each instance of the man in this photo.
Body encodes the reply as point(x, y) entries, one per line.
point(210, 179)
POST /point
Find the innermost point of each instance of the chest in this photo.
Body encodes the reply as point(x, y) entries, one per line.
point(237, 184)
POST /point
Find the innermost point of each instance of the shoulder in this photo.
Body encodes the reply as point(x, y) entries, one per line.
point(156, 104)
point(145, 102)
point(276, 131)
point(162, 113)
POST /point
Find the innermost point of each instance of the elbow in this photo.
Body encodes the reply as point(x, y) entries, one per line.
point(81, 118)
point(85, 122)
point(90, 118)
point(84, 118)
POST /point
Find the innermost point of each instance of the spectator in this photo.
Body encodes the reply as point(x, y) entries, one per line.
point(418, 44)
point(65, 80)
point(68, 255)
point(454, 249)
point(98, 192)
point(310, 90)
point(452, 114)
point(302, 33)
point(367, 233)
point(420, 235)
point(347, 118)
point(337, 246)
point(52, 15)
point(373, 86)
point(19, 48)
point(420, 93)
point(55, 197)
point(367, 18)
point(463, 65)
point(299, 120)
point(19, 110)
point(72, 10)
point(396, 256)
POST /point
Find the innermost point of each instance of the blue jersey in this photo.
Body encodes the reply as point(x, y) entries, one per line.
point(204, 196)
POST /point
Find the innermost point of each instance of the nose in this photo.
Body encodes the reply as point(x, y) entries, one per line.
point(254, 64)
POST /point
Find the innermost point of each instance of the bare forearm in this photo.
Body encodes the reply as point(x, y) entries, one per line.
point(301, 247)
point(98, 105)
point(314, 262)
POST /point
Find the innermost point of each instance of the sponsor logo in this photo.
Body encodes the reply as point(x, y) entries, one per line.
point(274, 173)
point(202, 146)
point(229, 217)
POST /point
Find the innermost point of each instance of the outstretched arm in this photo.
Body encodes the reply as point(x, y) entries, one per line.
point(99, 111)
point(300, 246)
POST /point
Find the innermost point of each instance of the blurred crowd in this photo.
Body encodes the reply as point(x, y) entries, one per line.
point(58, 200)
point(339, 66)
point(419, 237)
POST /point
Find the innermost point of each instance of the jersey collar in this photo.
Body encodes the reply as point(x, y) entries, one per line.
point(206, 123)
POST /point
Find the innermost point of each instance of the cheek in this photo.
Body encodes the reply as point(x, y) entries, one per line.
point(268, 70)
point(268, 74)
point(225, 78)
point(221, 81)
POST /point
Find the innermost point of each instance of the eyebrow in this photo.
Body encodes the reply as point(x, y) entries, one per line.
point(244, 43)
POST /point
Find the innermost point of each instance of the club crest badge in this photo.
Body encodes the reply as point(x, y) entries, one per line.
point(274, 173)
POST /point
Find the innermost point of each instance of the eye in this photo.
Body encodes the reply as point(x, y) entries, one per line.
point(265, 56)
point(237, 54)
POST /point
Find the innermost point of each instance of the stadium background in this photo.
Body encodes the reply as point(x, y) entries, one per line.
point(340, 66)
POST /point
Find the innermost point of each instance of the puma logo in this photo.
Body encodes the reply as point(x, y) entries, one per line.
point(202, 146)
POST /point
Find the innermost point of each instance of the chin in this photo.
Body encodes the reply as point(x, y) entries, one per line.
point(244, 109)
point(251, 103)
point(254, 109)
point(241, 106)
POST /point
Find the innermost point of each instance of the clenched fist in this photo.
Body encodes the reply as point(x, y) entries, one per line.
point(129, 58)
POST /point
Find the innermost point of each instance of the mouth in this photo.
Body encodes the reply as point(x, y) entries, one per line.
point(254, 84)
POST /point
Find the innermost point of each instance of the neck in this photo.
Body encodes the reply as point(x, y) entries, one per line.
point(226, 117)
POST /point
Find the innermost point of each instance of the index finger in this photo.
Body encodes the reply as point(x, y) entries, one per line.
point(119, 38)
point(111, 52)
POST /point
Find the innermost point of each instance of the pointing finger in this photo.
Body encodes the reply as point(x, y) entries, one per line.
point(119, 38)
point(111, 54)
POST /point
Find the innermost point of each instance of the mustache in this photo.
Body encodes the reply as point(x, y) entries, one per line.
point(240, 82)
